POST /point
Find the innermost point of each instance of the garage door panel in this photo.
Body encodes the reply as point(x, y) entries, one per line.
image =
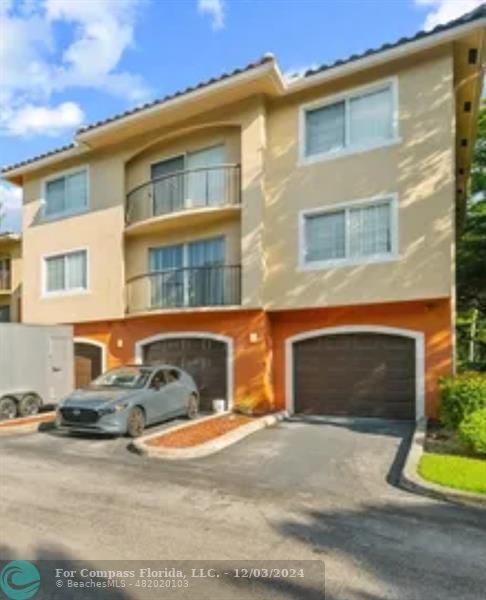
point(204, 358)
point(361, 374)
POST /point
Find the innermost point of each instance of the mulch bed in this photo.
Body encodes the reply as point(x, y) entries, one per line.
point(43, 418)
point(442, 441)
point(200, 432)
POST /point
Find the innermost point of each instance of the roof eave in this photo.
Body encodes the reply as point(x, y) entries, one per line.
point(384, 56)
point(267, 70)
point(15, 175)
point(10, 237)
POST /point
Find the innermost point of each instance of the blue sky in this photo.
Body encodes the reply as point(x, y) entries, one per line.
point(64, 63)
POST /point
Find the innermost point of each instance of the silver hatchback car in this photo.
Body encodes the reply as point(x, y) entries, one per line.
point(126, 399)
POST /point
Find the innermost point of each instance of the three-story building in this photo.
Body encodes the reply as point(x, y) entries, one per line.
point(289, 242)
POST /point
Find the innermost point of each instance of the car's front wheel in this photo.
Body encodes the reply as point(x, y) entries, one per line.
point(8, 408)
point(192, 407)
point(136, 422)
point(29, 405)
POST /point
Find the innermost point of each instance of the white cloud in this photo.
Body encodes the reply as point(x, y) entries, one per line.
point(442, 11)
point(10, 207)
point(104, 31)
point(36, 62)
point(28, 119)
point(216, 11)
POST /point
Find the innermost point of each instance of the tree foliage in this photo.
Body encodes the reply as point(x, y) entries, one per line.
point(471, 261)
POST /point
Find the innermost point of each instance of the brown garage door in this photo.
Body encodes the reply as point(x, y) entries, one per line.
point(359, 374)
point(203, 358)
point(87, 363)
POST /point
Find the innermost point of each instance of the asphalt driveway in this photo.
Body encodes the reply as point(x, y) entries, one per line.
point(298, 491)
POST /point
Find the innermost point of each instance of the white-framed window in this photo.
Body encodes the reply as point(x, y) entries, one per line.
point(355, 232)
point(361, 119)
point(66, 193)
point(65, 273)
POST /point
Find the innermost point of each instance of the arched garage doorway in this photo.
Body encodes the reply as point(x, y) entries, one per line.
point(89, 361)
point(207, 357)
point(356, 371)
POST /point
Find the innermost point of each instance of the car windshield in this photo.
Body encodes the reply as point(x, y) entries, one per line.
point(123, 377)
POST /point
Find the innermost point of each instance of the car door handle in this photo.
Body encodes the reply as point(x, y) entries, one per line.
point(56, 369)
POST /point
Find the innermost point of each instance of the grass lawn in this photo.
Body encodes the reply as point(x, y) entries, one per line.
point(454, 471)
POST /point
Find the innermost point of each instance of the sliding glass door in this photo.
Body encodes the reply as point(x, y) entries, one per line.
point(166, 276)
point(205, 178)
point(206, 279)
point(187, 274)
point(168, 187)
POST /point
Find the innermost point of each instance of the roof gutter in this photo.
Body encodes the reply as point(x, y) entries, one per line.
point(383, 56)
point(42, 163)
point(10, 237)
point(268, 68)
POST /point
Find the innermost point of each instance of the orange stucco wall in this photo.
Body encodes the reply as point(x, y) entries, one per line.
point(259, 340)
point(431, 317)
point(248, 329)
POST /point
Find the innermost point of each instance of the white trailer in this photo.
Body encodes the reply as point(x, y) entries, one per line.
point(36, 367)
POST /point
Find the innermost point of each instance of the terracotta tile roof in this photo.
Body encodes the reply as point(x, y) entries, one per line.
point(469, 17)
point(265, 59)
point(38, 157)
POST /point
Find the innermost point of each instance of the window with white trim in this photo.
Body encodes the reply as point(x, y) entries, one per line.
point(66, 272)
point(351, 233)
point(356, 121)
point(66, 194)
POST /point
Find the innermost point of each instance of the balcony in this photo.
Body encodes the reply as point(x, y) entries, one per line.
point(5, 282)
point(183, 198)
point(189, 287)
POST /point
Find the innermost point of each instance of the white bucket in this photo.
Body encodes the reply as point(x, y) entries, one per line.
point(219, 406)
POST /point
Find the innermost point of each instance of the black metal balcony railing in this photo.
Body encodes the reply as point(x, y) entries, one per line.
point(184, 190)
point(189, 287)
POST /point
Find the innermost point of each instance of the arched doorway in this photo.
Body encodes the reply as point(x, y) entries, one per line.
point(89, 361)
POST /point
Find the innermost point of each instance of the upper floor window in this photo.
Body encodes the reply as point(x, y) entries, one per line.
point(66, 194)
point(356, 121)
point(357, 232)
point(66, 272)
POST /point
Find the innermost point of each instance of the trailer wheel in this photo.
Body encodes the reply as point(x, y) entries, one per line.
point(29, 405)
point(8, 408)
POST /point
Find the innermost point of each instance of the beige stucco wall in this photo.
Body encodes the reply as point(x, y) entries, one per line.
point(420, 169)
point(112, 173)
point(100, 229)
point(263, 136)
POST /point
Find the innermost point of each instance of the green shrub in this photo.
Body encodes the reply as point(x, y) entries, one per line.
point(472, 431)
point(461, 395)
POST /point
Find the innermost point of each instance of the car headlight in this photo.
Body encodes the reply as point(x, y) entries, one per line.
point(109, 410)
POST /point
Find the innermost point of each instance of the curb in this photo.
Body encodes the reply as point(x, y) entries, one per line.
point(22, 427)
point(413, 482)
point(207, 448)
